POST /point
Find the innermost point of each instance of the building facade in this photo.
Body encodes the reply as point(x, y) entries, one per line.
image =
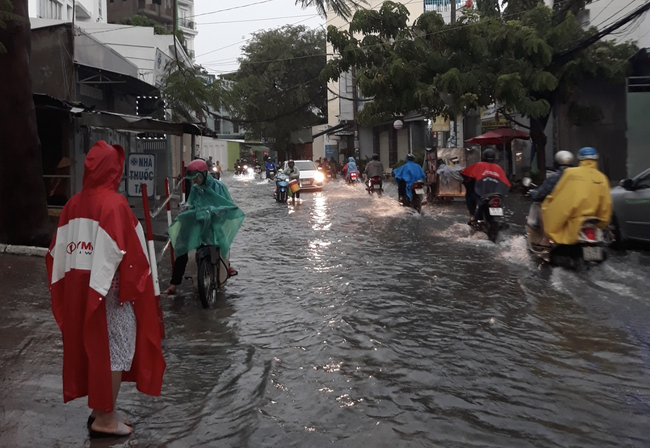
point(161, 11)
point(85, 10)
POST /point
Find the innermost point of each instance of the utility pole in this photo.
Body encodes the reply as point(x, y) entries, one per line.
point(453, 11)
point(74, 32)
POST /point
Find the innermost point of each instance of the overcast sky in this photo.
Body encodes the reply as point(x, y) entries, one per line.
point(223, 33)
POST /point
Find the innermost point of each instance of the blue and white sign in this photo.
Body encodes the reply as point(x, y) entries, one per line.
point(141, 169)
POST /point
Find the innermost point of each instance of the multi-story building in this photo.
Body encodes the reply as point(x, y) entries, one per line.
point(161, 11)
point(85, 10)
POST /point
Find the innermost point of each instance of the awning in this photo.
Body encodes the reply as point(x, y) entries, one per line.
point(330, 130)
point(498, 136)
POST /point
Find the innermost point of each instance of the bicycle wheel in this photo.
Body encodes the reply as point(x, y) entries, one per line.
point(208, 279)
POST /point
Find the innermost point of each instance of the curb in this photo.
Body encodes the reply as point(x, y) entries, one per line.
point(23, 250)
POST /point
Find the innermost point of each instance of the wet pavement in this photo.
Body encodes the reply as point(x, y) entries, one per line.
point(355, 322)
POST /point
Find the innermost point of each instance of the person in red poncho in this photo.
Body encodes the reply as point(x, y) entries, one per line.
point(103, 295)
point(481, 179)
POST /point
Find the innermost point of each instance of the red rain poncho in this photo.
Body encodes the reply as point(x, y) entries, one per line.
point(98, 234)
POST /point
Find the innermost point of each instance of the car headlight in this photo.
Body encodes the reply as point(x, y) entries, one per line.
point(319, 177)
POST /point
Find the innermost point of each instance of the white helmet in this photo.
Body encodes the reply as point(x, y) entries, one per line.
point(564, 158)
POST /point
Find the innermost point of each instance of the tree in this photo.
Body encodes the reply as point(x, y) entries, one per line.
point(518, 61)
point(339, 7)
point(277, 88)
point(189, 92)
point(23, 207)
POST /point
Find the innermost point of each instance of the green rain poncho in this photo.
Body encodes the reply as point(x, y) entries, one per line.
point(212, 219)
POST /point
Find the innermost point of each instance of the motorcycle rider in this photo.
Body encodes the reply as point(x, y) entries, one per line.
point(350, 167)
point(483, 178)
point(268, 166)
point(294, 174)
point(204, 187)
point(581, 192)
point(406, 175)
point(375, 168)
point(563, 160)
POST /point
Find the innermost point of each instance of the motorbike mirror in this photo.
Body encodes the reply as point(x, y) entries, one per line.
point(627, 184)
point(526, 181)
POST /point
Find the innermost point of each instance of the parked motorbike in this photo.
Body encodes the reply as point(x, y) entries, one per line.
point(490, 216)
point(588, 249)
point(374, 185)
point(417, 191)
point(282, 188)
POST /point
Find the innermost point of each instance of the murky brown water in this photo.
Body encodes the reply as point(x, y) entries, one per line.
point(356, 323)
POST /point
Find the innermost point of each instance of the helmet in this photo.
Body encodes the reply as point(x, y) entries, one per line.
point(375, 157)
point(291, 162)
point(489, 155)
point(588, 153)
point(564, 158)
point(410, 157)
point(195, 167)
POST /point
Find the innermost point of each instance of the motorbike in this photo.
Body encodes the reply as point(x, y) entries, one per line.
point(258, 171)
point(238, 169)
point(374, 185)
point(281, 188)
point(271, 174)
point(353, 178)
point(490, 216)
point(417, 191)
point(589, 248)
point(214, 172)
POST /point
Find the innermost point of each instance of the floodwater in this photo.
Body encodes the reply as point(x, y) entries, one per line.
point(354, 322)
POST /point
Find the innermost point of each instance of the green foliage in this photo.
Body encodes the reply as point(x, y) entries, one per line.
point(6, 14)
point(339, 7)
point(139, 20)
point(189, 94)
point(277, 89)
point(515, 59)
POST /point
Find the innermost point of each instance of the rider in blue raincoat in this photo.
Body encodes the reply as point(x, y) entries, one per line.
point(352, 167)
point(268, 166)
point(406, 175)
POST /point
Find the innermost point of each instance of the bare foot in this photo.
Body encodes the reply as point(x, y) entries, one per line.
point(170, 291)
point(107, 426)
point(119, 417)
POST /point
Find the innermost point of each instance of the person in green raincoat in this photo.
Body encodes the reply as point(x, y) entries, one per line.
point(212, 219)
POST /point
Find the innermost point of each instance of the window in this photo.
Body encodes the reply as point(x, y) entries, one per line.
point(50, 9)
point(437, 5)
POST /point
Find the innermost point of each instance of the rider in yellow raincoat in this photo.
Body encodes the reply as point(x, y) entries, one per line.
point(582, 192)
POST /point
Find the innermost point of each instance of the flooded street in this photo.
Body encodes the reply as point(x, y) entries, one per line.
point(354, 322)
point(357, 323)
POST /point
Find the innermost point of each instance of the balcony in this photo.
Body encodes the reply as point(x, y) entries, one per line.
point(185, 23)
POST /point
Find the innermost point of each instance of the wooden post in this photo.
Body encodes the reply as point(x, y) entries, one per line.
point(152, 257)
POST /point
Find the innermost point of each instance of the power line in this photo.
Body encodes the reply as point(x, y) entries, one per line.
point(257, 20)
point(230, 9)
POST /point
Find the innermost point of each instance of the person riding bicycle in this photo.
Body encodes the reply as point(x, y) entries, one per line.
point(211, 219)
point(406, 175)
point(375, 168)
point(481, 179)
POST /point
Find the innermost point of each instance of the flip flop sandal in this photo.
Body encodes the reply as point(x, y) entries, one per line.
point(232, 272)
point(121, 431)
point(91, 419)
point(169, 292)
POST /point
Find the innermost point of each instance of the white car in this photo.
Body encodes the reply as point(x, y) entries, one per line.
point(310, 177)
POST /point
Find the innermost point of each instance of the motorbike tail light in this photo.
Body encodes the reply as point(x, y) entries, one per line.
point(495, 202)
point(353, 174)
point(417, 185)
point(589, 233)
point(376, 178)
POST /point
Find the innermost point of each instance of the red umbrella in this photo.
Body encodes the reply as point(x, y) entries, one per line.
point(497, 136)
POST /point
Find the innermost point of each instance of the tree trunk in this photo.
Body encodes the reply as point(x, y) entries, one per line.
point(23, 207)
point(539, 139)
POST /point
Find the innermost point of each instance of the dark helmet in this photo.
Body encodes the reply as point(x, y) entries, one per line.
point(195, 167)
point(291, 162)
point(375, 157)
point(489, 155)
point(410, 157)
